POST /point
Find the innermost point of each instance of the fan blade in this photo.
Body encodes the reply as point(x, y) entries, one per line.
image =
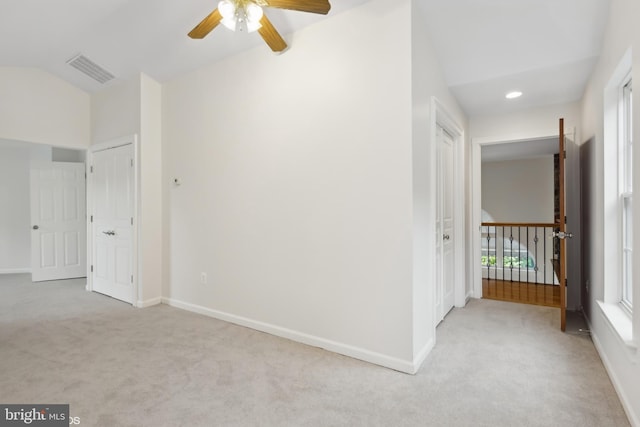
point(206, 25)
point(271, 35)
point(312, 6)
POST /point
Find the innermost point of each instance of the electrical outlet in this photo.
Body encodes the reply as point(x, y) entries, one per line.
point(203, 278)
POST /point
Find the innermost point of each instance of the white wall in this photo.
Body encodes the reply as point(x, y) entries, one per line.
point(38, 107)
point(115, 111)
point(35, 107)
point(15, 214)
point(135, 107)
point(15, 245)
point(525, 124)
point(427, 81)
point(68, 155)
point(151, 185)
point(296, 195)
point(519, 190)
point(621, 362)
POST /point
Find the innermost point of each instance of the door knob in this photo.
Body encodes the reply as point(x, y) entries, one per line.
point(35, 227)
point(562, 235)
point(445, 237)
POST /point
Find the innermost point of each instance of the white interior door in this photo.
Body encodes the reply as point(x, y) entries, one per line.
point(58, 221)
point(444, 223)
point(112, 179)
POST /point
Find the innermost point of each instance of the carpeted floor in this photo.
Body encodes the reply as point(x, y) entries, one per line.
point(495, 364)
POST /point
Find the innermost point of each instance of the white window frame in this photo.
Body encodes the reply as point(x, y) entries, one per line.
point(624, 322)
point(625, 190)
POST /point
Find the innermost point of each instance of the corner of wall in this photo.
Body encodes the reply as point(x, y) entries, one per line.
point(151, 189)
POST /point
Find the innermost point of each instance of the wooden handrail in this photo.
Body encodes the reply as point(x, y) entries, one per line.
point(518, 224)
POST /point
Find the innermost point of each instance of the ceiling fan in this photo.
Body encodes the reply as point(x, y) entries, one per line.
point(247, 15)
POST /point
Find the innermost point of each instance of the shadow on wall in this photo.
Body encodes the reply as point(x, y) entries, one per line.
point(587, 163)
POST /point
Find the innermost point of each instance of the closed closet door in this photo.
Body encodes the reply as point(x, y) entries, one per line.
point(112, 177)
point(444, 224)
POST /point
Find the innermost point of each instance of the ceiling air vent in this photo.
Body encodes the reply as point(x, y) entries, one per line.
point(90, 68)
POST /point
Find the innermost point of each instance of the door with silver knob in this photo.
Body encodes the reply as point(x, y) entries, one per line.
point(444, 223)
point(112, 184)
point(561, 232)
point(58, 218)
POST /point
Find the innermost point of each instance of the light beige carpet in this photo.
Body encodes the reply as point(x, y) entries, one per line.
point(495, 364)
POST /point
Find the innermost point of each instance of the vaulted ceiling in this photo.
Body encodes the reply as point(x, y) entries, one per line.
point(127, 36)
point(545, 48)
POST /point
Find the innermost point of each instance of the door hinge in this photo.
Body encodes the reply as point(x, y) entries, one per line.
point(91, 168)
point(131, 220)
point(92, 268)
point(91, 218)
point(132, 278)
point(131, 162)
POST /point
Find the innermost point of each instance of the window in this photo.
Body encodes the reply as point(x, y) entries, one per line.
point(617, 246)
point(625, 170)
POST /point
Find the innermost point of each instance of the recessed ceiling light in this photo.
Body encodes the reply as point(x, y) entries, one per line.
point(514, 94)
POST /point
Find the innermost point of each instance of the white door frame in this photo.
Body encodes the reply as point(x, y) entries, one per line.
point(440, 116)
point(118, 142)
point(476, 197)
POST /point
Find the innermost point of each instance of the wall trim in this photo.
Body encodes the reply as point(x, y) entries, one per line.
point(634, 419)
point(422, 355)
point(149, 303)
point(15, 270)
point(469, 296)
point(408, 367)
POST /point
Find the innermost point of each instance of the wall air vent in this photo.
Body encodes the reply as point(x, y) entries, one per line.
point(90, 68)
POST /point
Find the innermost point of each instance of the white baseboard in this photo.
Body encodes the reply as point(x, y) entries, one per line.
point(408, 367)
point(14, 270)
point(422, 355)
point(149, 302)
point(628, 409)
point(470, 295)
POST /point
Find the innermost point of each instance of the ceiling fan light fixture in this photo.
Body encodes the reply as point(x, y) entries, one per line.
point(230, 23)
point(240, 16)
point(227, 9)
point(248, 16)
point(253, 26)
point(254, 12)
